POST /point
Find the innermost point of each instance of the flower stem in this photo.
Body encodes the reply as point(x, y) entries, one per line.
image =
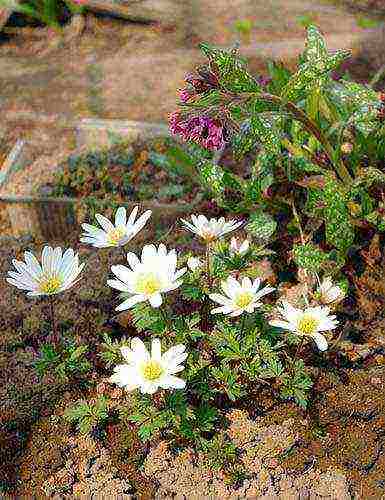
point(311, 127)
point(299, 347)
point(166, 318)
point(55, 332)
point(243, 323)
point(208, 263)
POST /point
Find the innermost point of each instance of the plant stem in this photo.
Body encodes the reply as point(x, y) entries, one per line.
point(311, 127)
point(243, 323)
point(166, 318)
point(299, 347)
point(208, 262)
point(124, 253)
point(55, 333)
point(298, 221)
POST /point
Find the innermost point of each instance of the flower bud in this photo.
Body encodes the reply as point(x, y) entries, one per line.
point(347, 147)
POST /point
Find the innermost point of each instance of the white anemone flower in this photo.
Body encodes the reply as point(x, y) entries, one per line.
point(194, 263)
point(239, 297)
point(56, 273)
point(210, 230)
point(148, 278)
point(149, 372)
point(307, 323)
point(117, 235)
point(328, 292)
point(238, 248)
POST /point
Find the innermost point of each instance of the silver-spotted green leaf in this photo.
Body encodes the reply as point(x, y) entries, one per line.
point(309, 257)
point(212, 176)
point(312, 73)
point(245, 141)
point(265, 127)
point(262, 176)
point(358, 103)
point(339, 231)
point(233, 75)
point(315, 45)
point(261, 225)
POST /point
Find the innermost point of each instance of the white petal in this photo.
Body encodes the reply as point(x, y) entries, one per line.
point(141, 222)
point(130, 302)
point(132, 216)
point(140, 350)
point(119, 285)
point(133, 260)
point(321, 341)
point(282, 324)
point(156, 350)
point(171, 382)
point(123, 273)
point(105, 223)
point(222, 310)
point(155, 300)
point(120, 217)
point(220, 299)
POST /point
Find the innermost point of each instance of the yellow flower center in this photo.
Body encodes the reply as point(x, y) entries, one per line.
point(50, 285)
point(115, 235)
point(208, 235)
point(244, 299)
point(148, 284)
point(152, 370)
point(307, 325)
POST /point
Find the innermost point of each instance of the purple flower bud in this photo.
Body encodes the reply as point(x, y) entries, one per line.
point(203, 130)
point(185, 95)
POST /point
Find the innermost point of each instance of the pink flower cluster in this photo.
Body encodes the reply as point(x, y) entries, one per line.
point(204, 130)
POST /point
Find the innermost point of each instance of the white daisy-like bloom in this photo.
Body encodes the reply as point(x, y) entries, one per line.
point(210, 230)
point(309, 322)
point(238, 248)
point(147, 279)
point(114, 235)
point(56, 273)
point(239, 297)
point(149, 372)
point(194, 263)
point(328, 292)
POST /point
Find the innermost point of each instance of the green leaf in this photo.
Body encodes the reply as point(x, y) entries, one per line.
point(233, 75)
point(309, 257)
point(357, 103)
point(280, 76)
point(315, 45)
point(261, 225)
point(264, 126)
point(245, 141)
point(338, 227)
point(212, 176)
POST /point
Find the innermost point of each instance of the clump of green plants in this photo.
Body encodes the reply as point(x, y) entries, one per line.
point(317, 145)
point(66, 363)
point(223, 331)
point(110, 177)
point(88, 416)
point(48, 12)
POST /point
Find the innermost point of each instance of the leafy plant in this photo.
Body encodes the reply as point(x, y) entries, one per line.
point(311, 142)
point(87, 416)
point(65, 363)
point(45, 11)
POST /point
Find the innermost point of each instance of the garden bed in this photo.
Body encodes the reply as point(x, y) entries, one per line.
point(278, 392)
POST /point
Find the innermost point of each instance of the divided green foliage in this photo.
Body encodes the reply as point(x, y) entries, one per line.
point(88, 416)
point(66, 363)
